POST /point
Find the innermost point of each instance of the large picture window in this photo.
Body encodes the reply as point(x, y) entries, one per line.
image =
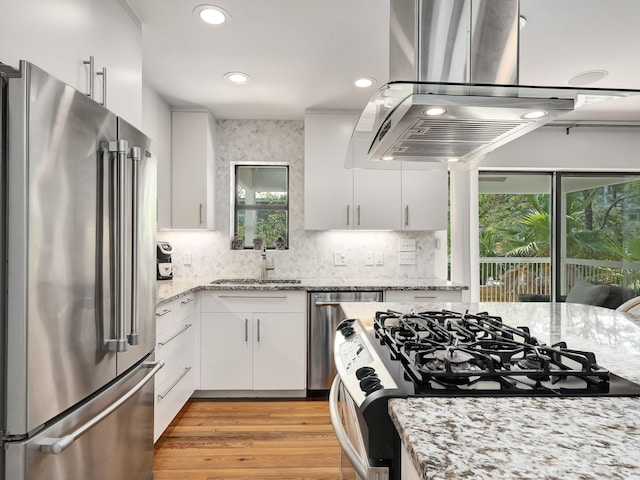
point(261, 206)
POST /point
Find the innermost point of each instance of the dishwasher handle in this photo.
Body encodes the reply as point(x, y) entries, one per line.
point(361, 466)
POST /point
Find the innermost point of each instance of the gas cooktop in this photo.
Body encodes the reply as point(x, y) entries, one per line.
point(438, 353)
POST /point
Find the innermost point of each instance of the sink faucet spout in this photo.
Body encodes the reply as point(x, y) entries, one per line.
point(264, 264)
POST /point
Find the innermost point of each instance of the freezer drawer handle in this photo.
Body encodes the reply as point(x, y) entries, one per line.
point(162, 395)
point(364, 470)
point(183, 329)
point(56, 446)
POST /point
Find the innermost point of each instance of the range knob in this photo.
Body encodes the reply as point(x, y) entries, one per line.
point(365, 372)
point(370, 384)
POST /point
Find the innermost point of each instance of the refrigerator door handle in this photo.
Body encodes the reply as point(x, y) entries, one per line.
point(119, 147)
point(55, 446)
point(136, 156)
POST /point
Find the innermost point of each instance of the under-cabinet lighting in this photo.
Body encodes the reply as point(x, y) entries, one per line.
point(435, 111)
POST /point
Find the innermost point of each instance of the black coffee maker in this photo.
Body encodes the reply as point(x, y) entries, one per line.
point(163, 257)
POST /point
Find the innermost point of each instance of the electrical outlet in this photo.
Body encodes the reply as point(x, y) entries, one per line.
point(407, 245)
point(379, 258)
point(339, 259)
point(368, 258)
point(186, 259)
point(407, 258)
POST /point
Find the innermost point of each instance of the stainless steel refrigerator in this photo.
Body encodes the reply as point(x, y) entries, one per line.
point(78, 220)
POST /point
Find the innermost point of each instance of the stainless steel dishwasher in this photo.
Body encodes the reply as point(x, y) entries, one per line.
point(324, 316)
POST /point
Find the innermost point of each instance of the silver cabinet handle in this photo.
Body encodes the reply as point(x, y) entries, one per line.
point(348, 208)
point(406, 216)
point(182, 330)
point(168, 391)
point(164, 312)
point(187, 300)
point(361, 466)
point(136, 155)
point(258, 330)
point(55, 446)
point(246, 329)
point(358, 215)
point(327, 304)
point(200, 213)
point(417, 297)
point(103, 74)
point(118, 230)
point(91, 75)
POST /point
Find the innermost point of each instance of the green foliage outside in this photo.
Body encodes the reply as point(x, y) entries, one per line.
point(269, 224)
point(602, 224)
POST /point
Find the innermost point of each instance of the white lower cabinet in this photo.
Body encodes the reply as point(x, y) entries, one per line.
point(408, 469)
point(176, 342)
point(423, 296)
point(253, 341)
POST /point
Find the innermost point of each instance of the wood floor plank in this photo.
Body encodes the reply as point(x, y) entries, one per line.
point(249, 439)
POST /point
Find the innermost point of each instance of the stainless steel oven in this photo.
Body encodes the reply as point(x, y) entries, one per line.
point(354, 461)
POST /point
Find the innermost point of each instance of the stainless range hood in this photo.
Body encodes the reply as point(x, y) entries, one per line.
point(459, 57)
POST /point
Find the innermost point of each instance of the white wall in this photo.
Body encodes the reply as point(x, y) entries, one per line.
point(585, 148)
point(156, 123)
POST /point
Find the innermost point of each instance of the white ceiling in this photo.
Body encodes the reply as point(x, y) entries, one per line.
point(305, 54)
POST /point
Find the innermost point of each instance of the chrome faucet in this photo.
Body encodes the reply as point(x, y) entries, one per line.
point(264, 265)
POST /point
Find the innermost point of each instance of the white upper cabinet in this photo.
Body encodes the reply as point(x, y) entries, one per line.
point(366, 195)
point(193, 147)
point(328, 185)
point(59, 37)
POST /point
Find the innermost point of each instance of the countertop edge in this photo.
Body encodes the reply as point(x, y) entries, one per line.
point(179, 288)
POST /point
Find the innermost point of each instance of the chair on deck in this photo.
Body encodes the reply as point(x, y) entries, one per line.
point(631, 306)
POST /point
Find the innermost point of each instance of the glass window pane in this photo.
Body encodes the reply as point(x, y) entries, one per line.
point(600, 231)
point(515, 236)
point(261, 185)
point(261, 206)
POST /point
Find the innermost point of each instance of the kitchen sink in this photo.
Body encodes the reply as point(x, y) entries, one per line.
point(248, 281)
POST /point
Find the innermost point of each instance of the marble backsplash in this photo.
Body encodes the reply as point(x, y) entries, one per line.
point(207, 254)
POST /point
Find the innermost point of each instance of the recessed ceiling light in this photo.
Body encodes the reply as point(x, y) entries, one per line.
point(364, 82)
point(585, 78)
point(212, 14)
point(535, 114)
point(453, 160)
point(237, 78)
point(435, 111)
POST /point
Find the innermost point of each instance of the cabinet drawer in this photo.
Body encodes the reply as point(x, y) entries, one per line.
point(176, 347)
point(254, 301)
point(170, 397)
point(423, 296)
point(175, 311)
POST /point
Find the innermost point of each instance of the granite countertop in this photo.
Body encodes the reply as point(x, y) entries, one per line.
point(523, 437)
point(168, 290)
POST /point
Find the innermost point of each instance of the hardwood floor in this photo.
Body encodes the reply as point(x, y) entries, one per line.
point(249, 439)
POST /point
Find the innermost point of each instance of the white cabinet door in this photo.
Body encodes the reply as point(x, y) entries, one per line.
point(117, 46)
point(425, 190)
point(226, 351)
point(279, 351)
point(328, 185)
point(376, 196)
point(193, 149)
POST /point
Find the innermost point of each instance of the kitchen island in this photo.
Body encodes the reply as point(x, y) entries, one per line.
point(512, 438)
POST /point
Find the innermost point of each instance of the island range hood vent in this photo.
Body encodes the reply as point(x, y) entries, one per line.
point(462, 57)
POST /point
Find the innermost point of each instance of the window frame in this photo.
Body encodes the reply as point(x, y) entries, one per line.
point(236, 206)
